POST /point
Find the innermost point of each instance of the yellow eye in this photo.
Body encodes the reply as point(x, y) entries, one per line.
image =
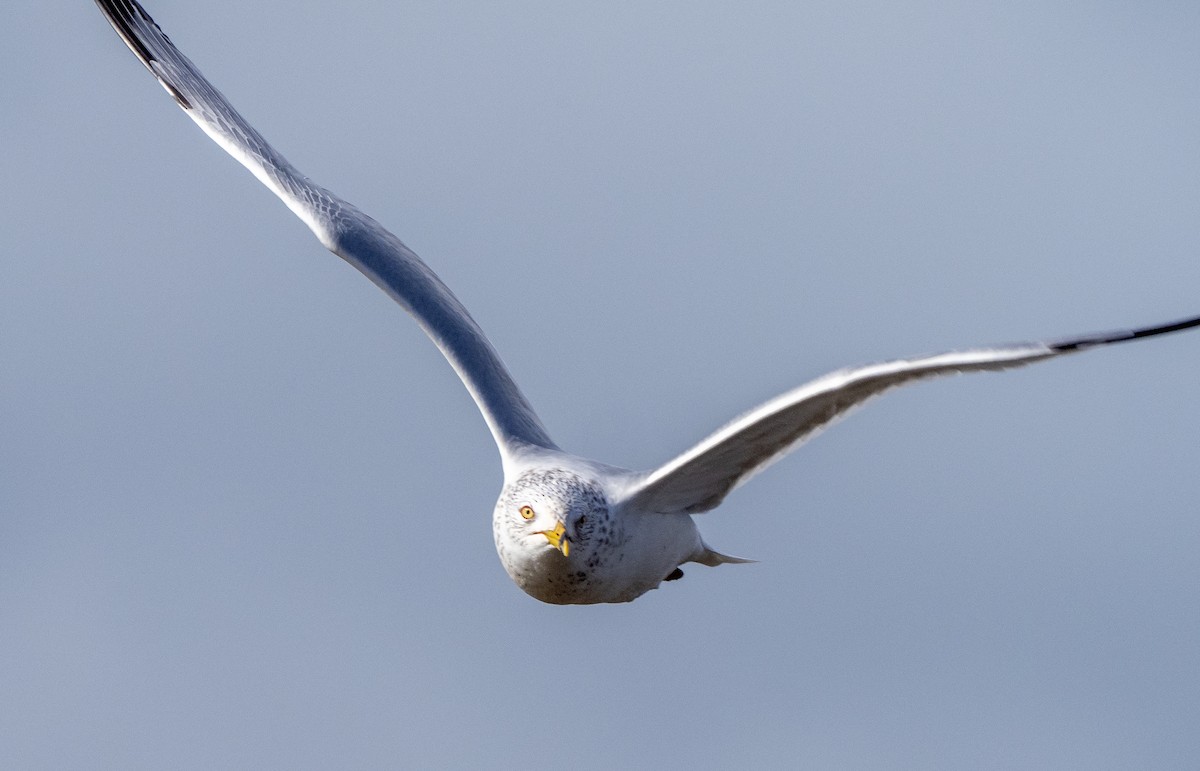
point(527, 512)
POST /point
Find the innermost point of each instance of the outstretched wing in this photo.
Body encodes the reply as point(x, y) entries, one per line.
point(700, 478)
point(344, 230)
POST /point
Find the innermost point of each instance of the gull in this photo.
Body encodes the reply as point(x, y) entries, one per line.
point(568, 530)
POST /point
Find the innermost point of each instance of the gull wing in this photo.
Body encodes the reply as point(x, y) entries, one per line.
point(700, 478)
point(344, 230)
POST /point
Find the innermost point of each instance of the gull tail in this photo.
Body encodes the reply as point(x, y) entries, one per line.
point(713, 558)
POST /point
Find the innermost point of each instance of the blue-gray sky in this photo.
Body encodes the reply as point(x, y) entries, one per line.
point(245, 505)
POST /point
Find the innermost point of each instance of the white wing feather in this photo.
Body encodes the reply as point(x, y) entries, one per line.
point(344, 230)
point(700, 478)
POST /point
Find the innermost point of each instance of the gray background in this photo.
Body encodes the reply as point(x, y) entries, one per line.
point(245, 506)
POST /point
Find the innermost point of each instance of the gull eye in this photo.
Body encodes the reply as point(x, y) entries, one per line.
point(527, 512)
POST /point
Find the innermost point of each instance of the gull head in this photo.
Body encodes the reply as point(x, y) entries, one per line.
point(554, 531)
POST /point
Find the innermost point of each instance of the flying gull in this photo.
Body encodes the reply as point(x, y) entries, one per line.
point(567, 529)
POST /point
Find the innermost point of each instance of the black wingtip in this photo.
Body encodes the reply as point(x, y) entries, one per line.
point(121, 16)
point(125, 16)
point(1105, 338)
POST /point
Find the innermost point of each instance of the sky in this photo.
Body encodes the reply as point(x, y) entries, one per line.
point(245, 505)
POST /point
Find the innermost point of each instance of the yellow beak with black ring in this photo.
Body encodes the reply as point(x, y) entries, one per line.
point(558, 538)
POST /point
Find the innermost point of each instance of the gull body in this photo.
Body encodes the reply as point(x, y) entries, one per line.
point(615, 551)
point(568, 530)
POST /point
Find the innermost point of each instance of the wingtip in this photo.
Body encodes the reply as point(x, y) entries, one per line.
point(1121, 336)
point(136, 26)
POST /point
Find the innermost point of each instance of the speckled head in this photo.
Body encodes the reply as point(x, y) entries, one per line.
point(552, 528)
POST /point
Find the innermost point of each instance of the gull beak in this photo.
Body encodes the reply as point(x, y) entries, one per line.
point(558, 538)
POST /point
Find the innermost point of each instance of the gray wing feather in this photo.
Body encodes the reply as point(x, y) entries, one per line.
point(344, 230)
point(700, 478)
